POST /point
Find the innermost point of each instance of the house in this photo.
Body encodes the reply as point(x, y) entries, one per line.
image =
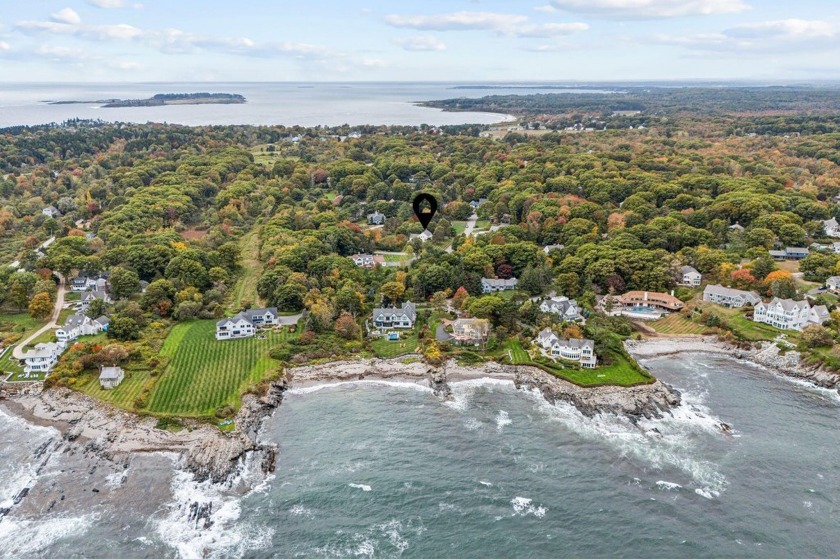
point(491, 285)
point(80, 325)
point(394, 317)
point(737, 227)
point(787, 314)
point(582, 351)
point(833, 284)
point(91, 296)
point(246, 323)
point(237, 326)
point(475, 204)
point(51, 211)
point(376, 218)
point(728, 297)
point(690, 277)
point(651, 299)
point(424, 236)
point(565, 308)
point(790, 253)
point(548, 248)
point(366, 260)
point(42, 358)
point(84, 282)
point(470, 331)
point(110, 377)
point(831, 227)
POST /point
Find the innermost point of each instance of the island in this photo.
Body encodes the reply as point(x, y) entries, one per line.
point(161, 99)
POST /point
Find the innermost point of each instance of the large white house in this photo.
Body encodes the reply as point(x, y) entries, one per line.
point(690, 277)
point(565, 308)
point(491, 285)
point(729, 297)
point(395, 317)
point(833, 284)
point(582, 351)
point(81, 325)
point(787, 314)
point(84, 282)
point(42, 358)
point(51, 211)
point(831, 227)
point(246, 323)
point(366, 260)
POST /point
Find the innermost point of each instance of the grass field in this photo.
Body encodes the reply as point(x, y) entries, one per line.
point(459, 226)
point(18, 323)
point(676, 324)
point(7, 365)
point(386, 350)
point(246, 287)
point(746, 328)
point(122, 396)
point(72, 296)
point(393, 257)
point(204, 374)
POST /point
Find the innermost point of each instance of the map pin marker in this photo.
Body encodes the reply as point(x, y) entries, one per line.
point(426, 214)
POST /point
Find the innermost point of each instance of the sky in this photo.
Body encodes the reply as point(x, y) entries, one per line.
point(429, 40)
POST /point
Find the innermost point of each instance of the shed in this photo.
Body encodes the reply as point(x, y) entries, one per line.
point(111, 377)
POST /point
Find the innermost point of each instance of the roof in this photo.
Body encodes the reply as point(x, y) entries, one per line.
point(789, 304)
point(797, 250)
point(110, 373)
point(75, 320)
point(821, 312)
point(235, 318)
point(664, 298)
point(103, 320)
point(559, 304)
point(831, 223)
point(42, 350)
point(730, 292)
point(408, 308)
point(688, 270)
point(499, 282)
point(250, 313)
point(548, 336)
point(835, 280)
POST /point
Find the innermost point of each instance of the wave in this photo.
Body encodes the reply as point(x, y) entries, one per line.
point(502, 420)
point(390, 383)
point(463, 390)
point(24, 450)
point(361, 486)
point(21, 538)
point(522, 506)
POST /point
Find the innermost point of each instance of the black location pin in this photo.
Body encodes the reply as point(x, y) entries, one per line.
point(425, 214)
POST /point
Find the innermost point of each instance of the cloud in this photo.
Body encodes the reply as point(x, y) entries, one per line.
point(650, 9)
point(127, 66)
point(421, 43)
point(4, 46)
point(768, 36)
point(67, 15)
point(113, 4)
point(511, 25)
point(546, 9)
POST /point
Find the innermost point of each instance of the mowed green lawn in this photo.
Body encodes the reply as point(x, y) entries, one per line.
point(204, 374)
point(122, 396)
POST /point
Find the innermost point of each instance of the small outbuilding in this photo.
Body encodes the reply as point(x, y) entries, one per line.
point(111, 377)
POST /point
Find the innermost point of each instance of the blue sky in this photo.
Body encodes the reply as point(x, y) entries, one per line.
point(455, 40)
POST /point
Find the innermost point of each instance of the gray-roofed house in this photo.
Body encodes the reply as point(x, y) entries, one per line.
point(787, 314)
point(582, 351)
point(395, 317)
point(51, 211)
point(833, 284)
point(91, 296)
point(263, 317)
point(565, 308)
point(492, 285)
point(690, 276)
point(728, 297)
point(80, 325)
point(424, 236)
point(237, 326)
point(42, 358)
point(790, 253)
point(548, 248)
point(111, 377)
point(376, 218)
point(831, 227)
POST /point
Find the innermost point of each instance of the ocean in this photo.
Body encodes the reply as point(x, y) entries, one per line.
point(304, 104)
point(383, 469)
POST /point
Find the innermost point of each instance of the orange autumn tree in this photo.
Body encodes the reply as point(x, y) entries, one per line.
point(742, 279)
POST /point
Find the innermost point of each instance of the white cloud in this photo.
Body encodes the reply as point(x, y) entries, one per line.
point(67, 15)
point(5, 46)
point(64, 54)
point(511, 25)
point(113, 4)
point(644, 9)
point(769, 36)
point(421, 43)
point(127, 66)
point(546, 9)
point(793, 29)
point(373, 63)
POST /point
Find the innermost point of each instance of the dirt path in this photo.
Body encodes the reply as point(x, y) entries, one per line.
point(246, 287)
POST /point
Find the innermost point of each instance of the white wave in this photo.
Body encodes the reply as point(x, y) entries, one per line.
point(502, 419)
point(23, 538)
point(472, 424)
point(830, 393)
point(522, 506)
point(463, 390)
point(668, 485)
point(117, 478)
point(370, 382)
point(486, 483)
point(300, 510)
point(226, 536)
point(669, 442)
point(361, 486)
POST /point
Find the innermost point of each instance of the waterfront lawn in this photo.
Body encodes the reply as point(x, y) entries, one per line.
point(125, 395)
point(385, 349)
point(677, 324)
point(745, 328)
point(9, 365)
point(204, 374)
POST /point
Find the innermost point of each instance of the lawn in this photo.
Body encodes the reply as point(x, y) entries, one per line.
point(204, 374)
point(386, 350)
point(8, 365)
point(246, 287)
point(393, 257)
point(18, 323)
point(459, 226)
point(746, 328)
point(675, 324)
point(122, 396)
point(72, 296)
point(482, 225)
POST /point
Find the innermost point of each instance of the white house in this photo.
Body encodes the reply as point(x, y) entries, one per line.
point(395, 317)
point(690, 277)
point(470, 331)
point(831, 227)
point(91, 296)
point(84, 282)
point(111, 377)
point(364, 260)
point(833, 284)
point(787, 314)
point(376, 218)
point(42, 358)
point(246, 323)
point(80, 325)
point(729, 297)
point(548, 248)
point(491, 285)
point(51, 211)
point(582, 351)
point(424, 236)
point(565, 308)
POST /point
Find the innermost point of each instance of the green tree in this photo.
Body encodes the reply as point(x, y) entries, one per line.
point(124, 283)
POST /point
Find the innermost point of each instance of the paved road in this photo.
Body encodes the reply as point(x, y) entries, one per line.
point(468, 229)
point(17, 352)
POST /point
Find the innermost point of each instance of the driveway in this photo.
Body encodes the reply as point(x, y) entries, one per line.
point(441, 334)
point(290, 320)
point(17, 352)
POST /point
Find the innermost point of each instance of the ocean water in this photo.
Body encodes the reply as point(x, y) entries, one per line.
point(304, 104)
point(381, 469)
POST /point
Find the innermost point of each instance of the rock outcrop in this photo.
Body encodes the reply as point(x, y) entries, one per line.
point(790, 364)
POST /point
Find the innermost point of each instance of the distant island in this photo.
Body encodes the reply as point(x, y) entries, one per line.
point(165, 99)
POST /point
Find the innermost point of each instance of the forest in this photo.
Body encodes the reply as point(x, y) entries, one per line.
point(200, 222)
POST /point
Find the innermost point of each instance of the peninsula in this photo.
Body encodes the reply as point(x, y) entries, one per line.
point(165, 99)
